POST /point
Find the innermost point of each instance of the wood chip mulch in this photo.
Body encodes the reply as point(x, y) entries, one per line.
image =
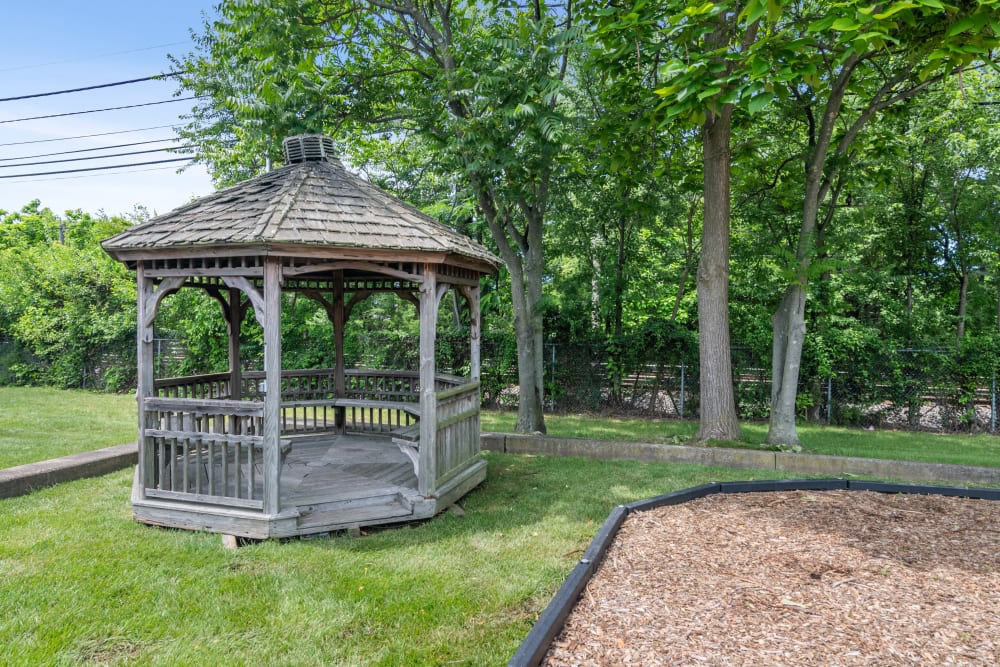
point(795, 578)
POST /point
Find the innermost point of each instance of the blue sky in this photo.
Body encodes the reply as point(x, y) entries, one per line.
point(52, 45)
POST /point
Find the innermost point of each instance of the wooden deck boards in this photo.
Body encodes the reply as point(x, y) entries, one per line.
point(333, 468)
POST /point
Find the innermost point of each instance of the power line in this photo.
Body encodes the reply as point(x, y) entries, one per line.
point(77, 113)
point(103, 55)
point(91, 157)
point(85, 150)
point(113, 166)
point(79, 176)
point(94, 87)
point(85, 136)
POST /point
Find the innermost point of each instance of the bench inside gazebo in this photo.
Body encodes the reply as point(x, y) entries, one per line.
point(277, 452)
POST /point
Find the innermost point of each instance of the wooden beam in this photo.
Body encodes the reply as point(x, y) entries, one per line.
point(256, 298)
point(237, 311)
point(271, 302)
point(355, 299)
point(145, 388)
point(471, 295)
point(339, 267)
point(248, 272)
point(155, 295)
point(429, 300)
point(339, 320)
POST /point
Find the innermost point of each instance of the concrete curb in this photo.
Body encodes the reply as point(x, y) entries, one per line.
point(21, 480)
point(24, 479)
point(804, 464)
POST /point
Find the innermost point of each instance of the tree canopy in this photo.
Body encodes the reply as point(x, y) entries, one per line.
point(667, 182)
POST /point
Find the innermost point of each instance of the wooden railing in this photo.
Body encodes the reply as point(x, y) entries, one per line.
point(214, 385)
point(457, 438)
point(200, 446)
point(204, 450)
point(372, 401)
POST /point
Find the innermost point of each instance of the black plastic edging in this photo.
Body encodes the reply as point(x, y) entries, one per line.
point(925, 490)
point(675, 498)
point(765, 485)
point(536, 644)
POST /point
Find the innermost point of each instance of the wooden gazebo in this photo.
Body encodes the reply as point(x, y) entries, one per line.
point(277, 452)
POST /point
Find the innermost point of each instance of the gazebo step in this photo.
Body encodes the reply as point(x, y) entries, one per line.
point(343, 514)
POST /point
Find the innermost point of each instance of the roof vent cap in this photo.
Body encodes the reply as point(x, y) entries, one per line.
point(309, 148)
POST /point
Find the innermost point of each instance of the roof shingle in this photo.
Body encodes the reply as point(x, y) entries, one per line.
point(315, 203)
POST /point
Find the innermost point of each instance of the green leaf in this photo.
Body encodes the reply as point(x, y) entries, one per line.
point(758, 102)
point(895, 9)
point(711, 91)
point(753, 11)
point(732, 96)
point(845, 25)
point(821, 25)
point(961, 26)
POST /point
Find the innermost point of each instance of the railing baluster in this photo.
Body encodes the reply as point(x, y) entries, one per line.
point(236, 472)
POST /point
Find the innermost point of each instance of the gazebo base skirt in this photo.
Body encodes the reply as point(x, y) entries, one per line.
point(328, 483)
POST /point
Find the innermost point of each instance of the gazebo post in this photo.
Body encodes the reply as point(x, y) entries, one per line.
point(272, 380)
point(339, 321)
point(426, 482)
point(234, 324)
point(475, 330)
point(144, 380)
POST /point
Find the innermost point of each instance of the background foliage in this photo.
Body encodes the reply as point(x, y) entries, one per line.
point(903, 299)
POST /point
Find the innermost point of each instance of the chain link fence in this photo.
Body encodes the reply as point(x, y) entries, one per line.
point(911, 389)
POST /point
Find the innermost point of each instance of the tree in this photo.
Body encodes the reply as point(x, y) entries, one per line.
point(617, 213)
point(64, 300)
point(697, 58)
point(963, 147)
point(846, 64)
point(480, 83)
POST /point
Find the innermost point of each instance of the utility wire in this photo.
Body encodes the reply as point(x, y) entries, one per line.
point(113, 166)
point(85, 150)
point(98, 56)
point(90, 157)
point(79, 176)
point(84, 136)
point(77, 113)
point(157, 77)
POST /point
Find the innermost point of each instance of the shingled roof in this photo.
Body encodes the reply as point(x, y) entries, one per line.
point(311, 203)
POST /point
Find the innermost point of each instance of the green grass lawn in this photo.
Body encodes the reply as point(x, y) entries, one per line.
point(39, 423)
point(81, 583)
point(977, 450)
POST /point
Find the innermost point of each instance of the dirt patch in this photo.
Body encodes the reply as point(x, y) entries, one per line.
point(795, 578)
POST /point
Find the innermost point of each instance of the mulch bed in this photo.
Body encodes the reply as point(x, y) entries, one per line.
point(795, 578)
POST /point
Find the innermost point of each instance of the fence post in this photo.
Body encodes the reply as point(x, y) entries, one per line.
point(682, 389)
point(829, 400)
point(993, 404)
point(552, 375)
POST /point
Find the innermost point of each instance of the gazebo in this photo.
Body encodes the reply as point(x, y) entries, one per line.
point(276, 452)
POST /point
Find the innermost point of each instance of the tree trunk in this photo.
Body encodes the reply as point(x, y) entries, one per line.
point(525, 286)
point(718, 405)
point(616, 367)
point(522, 254)
point(689, 253)
point(963, 304)
point(789, 330)
point(530, 410)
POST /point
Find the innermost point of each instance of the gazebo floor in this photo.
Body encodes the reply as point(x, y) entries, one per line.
point(328, 482)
